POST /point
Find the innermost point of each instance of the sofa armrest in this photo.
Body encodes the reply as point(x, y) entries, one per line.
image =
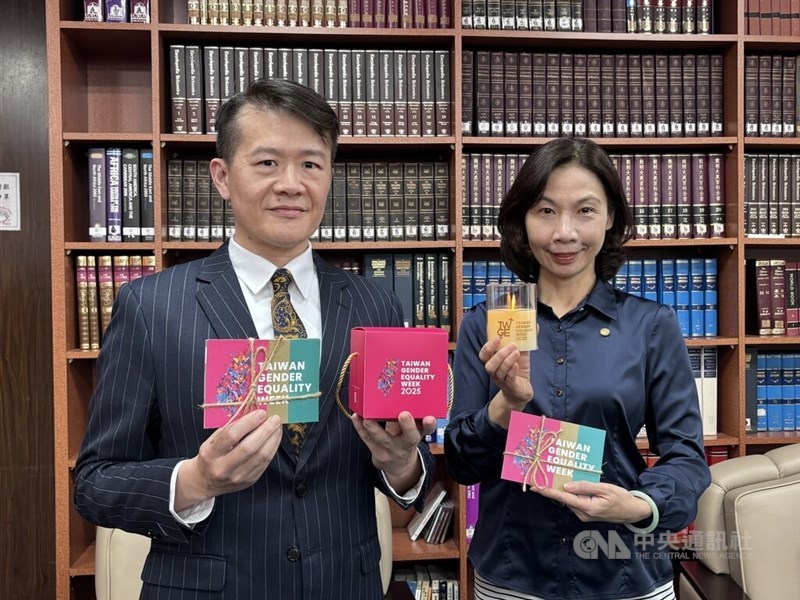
point(708, 585)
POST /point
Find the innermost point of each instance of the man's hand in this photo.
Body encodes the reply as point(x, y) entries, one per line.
point(599, 502)
point(394, 447)
point(232, 459)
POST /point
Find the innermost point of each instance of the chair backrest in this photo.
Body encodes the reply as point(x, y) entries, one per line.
point(120, 556)
point(748, 523)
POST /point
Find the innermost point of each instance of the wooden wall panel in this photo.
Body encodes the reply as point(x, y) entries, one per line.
point(26, 411)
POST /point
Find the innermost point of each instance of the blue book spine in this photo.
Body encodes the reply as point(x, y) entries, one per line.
point(796, 363)
point(667, 282)
point(787, 391)
point(479, 273)
point(493, 270)
point(506, 276)
point(761, 392)
point(466, 285)
point(650, 279)
point(620, 281)
point(774, 407)
point(697, 297)
point(682, 294)
point(635, 277)
point(710, 322)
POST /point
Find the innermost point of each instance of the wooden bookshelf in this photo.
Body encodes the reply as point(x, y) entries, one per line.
point(109, 85)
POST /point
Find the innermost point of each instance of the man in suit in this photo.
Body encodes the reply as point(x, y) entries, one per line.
point(251, 510)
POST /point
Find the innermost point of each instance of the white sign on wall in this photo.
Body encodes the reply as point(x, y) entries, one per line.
point(9, 202)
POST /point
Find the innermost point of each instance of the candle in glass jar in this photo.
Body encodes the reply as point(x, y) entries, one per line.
point(511, 314)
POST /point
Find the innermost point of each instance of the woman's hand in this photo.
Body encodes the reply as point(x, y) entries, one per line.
point(599, 502)
point(510, 370)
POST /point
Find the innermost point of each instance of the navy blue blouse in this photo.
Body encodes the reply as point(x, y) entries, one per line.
point(615, 362)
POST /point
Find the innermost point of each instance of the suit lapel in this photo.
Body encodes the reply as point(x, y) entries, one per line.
point(220, 297)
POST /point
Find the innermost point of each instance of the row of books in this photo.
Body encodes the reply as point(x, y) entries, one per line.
point(98, 280)
point(605, 16)
point(433, 523)
point(772, 17)
point(378, 201)
point(117, 11)
point(771, 93)
point(374, 92)
point(421, 282)
point(772, 195)
point(673, 196)
point(121, 195)
point(382, 14)
point(430, 581)
point(776, 296)
point(687, 285)
point(772, 391)
point(195, 210)
point(367, 201)
point(704, 369)
point(610, 95)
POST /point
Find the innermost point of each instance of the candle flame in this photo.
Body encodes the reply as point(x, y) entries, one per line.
point(512, 301)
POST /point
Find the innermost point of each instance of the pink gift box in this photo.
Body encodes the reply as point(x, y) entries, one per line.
point(396, 369)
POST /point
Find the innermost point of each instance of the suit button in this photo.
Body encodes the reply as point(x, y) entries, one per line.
point(301, 489)
point(293, 554)
point(559, 392)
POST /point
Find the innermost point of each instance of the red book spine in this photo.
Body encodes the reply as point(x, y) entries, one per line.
point(699, 197)
point(539, 109)
point(525, 63)
point(792, 299)
point(467, 92)
point(553, 94)
point(635, 97)
point(752, 17)
point(716, 193)
point(511, 93)
point(580, 100)
point(763, 293)
point(777, 281)
point(483, 77)
point(669, 197)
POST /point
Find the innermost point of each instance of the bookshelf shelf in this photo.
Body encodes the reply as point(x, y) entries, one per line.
point(109, 84)
point(595, 41)
point(84, 564)
point(614, 144)
point(770, 340)
point(720, 439)
point(404, 550)
point(772, 438)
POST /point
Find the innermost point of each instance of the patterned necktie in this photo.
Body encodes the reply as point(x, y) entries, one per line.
point(286, 322)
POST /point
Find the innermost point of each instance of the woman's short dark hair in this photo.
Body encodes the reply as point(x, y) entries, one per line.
point(527, 191)
point(276, 95)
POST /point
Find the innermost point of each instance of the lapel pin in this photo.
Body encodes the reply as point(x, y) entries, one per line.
point(605, 332)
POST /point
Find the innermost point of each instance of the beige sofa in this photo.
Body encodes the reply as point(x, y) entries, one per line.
point(119, 557)
point(748, 531)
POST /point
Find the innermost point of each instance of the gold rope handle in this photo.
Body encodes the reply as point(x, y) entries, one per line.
point(338, 390)
point(343, 372)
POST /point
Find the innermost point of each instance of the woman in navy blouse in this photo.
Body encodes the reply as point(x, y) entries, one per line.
point(605, 359)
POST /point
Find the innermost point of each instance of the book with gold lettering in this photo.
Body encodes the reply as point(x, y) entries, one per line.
point(546, 453)
point(281, 376)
